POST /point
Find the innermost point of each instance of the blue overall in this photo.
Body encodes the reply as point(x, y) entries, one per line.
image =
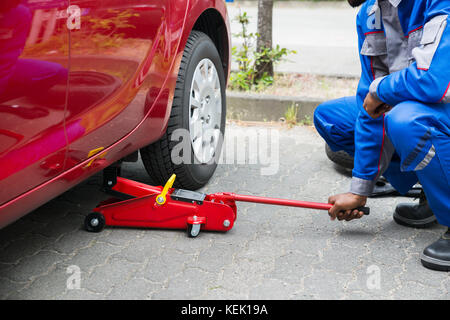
point(405, 58)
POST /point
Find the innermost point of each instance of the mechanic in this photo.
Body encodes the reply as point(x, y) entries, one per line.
point(398, 125)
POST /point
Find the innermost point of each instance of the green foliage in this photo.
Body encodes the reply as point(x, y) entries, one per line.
point(291, 115)
point(248, 58)
point(307, 121)
point(241, 80)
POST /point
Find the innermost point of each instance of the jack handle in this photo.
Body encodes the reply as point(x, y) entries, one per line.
point(283, 202)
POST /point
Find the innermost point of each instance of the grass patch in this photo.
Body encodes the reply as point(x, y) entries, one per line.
point(291, 115)
point(311, 86)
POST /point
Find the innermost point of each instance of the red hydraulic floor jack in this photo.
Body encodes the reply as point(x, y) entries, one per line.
point(140, 205)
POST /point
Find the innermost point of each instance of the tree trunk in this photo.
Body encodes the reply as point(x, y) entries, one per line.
point(265, 35)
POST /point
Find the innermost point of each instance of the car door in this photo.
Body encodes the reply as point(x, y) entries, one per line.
point(112, 53)
point(33, 87)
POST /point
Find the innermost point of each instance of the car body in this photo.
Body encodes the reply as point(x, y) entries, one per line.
point(85, 83)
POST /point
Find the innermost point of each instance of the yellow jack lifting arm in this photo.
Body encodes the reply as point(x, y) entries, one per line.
point(161, 198)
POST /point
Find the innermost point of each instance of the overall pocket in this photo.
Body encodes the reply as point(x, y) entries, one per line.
point(374, 46)
point(431, 38)
point(414, 39)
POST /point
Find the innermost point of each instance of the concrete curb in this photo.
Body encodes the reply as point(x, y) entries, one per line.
point(255, 107)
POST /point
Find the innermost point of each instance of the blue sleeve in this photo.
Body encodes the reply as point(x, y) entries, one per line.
point(369, 132)
point(428, 78)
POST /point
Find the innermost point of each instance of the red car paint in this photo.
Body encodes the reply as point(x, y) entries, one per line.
point(84, 83)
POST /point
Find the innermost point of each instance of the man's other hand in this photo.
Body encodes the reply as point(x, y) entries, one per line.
point(344, 206)
point(375, 107)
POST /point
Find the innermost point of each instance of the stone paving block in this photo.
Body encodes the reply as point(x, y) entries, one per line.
point(369, 295)
point(341, 259)
point(32, 266)
point(243, 274)
point(50, 286)
point(82, 294)
point(271, 253)
point(292, 267)
point(4, 267)
point(355, 233)
point(310, 244)
point(24, 247)
point(50, 211)
point(326, 285)
point(426, 237)
point(73, 241)
point(119, 236)
point(263, 215)
point(61, 225)
point(169, 264)
point(95, 254)
point(274, 289)
point(263, 249)
point(413, 271)
point(216, 257)
point(84, 198)
point(243, 230)
point(17, 231)
point(219, 293)
point(134, 289)
point(445, 284)
point(114, 273)
point(190, 284)
point(141, 249)
point(9, 287)
point(382, 254)
point(164, 235)
point(293, 218)
point(418, 291)
point(191, 245)
point(373, 278)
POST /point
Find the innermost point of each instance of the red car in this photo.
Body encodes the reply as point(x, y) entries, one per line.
point(87, 83)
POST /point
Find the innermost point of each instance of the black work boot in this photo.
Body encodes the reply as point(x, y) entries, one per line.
point(415, 215)
point(437, 255)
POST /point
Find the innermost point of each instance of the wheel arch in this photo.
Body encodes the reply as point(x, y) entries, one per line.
point(212, 23)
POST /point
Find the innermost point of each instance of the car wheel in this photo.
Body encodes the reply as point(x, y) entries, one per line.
point(199, 107)
point(341, 158)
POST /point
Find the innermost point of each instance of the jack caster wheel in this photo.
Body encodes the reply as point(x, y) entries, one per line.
point(193, 230)
point(94, 222)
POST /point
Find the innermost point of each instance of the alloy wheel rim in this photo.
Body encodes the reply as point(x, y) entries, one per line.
point(205, 111)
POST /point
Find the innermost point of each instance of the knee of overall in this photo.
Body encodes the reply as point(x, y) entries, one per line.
point(321, 113)
point(320, 117)
point(402, 120)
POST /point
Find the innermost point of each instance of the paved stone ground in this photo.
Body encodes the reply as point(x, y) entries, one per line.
point(271, 253)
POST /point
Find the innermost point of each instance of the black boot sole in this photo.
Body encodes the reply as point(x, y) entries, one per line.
point(419, 224)
point(435, 264)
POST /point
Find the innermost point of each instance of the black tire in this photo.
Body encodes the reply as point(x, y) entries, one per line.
point(341, 158)
point(157, 156)
point(99, 222)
